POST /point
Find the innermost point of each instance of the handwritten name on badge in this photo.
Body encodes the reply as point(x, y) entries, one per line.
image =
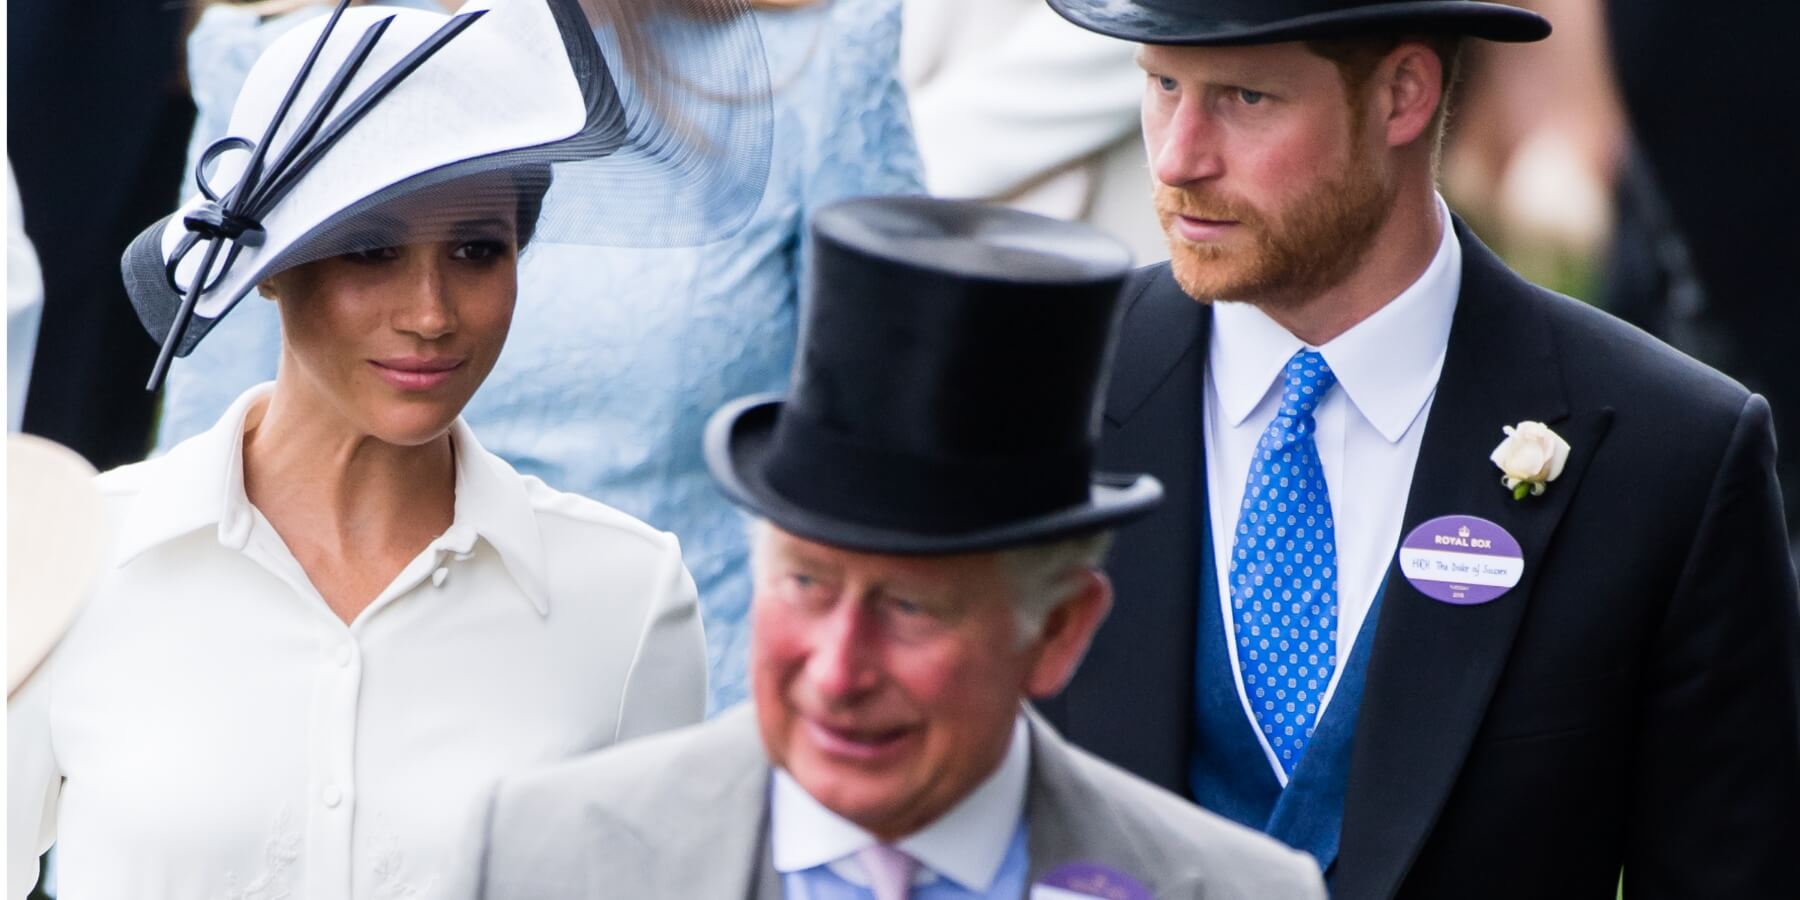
point(1087, 881)
point(1463, 560)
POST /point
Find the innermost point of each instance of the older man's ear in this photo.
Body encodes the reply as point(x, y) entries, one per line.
point(1067, 632)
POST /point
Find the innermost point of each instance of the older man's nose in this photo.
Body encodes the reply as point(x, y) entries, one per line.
point(845, 658)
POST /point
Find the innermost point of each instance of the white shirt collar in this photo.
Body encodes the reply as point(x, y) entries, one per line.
point(202, 483)
point(1387, 364)
point(967, 844)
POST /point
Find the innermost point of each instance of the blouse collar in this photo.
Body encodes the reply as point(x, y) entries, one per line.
point(200, 483)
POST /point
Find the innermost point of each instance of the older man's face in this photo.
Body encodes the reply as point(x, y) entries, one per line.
point(887, 686)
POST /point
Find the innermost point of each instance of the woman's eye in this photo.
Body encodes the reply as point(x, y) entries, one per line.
point(480, 250)
point(1249, 97)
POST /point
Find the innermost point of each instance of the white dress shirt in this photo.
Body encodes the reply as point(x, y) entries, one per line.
point(968, 844)
point(210, 729)
point(1368, 434)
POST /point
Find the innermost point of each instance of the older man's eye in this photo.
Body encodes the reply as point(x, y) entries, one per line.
point(906, 607)
point(806, 591)
point(1166, 83)
point(1249, 97)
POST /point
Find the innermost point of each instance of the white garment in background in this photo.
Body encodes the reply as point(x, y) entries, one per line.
point(1369, 430)
point(1011, 102)
point(210, 729)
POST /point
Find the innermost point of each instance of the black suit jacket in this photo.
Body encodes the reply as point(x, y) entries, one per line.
point(1634, 702)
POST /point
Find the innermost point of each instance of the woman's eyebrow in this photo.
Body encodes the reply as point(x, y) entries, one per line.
point(484, 225)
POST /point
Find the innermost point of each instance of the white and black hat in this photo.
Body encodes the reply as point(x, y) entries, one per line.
point(376, 126)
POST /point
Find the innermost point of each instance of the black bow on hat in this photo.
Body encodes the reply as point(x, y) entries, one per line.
point(946, 395)
point(1220, 22)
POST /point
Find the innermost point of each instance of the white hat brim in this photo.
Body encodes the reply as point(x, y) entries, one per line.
point(55, 532)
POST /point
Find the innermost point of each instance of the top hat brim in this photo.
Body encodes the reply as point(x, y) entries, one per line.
point(1489, 21)
point(740, 441)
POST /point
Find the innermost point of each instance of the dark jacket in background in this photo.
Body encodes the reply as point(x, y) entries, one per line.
point(99, 117)
point(1710, 91)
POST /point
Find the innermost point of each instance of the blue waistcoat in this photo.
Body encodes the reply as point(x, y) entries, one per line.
point(1229, 773)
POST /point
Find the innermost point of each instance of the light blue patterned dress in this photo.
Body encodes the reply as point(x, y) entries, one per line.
point(617, 357)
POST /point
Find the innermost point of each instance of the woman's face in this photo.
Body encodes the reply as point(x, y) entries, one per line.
point(396, 340)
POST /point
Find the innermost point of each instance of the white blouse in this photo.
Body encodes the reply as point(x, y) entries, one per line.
point(210, 729)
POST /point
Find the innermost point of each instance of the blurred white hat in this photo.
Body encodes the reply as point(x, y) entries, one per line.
point(54, 535)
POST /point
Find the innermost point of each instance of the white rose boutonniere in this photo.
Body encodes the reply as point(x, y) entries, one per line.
point(1531, 456)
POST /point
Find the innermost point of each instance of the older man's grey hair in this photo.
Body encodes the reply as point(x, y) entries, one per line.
point(1047, 574)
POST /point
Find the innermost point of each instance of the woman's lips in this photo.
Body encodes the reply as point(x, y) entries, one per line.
point(1202, 231)
point(415, 373)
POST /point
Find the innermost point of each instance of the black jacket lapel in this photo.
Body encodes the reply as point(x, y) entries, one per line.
point(1434, 665)
point(1132, 700)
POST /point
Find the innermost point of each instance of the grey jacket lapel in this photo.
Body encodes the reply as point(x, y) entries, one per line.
point(1071, 822)
point(710, 839)
point(768, 881)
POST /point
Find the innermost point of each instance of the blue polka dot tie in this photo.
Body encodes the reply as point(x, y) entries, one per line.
point(1284, 596)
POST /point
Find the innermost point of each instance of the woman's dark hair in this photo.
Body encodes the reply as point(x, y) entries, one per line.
point(533, 183)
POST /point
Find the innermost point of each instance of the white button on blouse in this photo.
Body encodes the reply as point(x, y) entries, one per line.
point(210, 729)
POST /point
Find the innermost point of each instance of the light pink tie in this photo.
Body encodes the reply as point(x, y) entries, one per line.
point(890, 871)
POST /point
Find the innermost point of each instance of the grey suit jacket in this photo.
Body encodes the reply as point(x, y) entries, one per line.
point(685, 815)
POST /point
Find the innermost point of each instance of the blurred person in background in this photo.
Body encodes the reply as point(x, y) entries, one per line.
point(1533, 148)
point(325, 625)
point(617, 355)
point(96, 112)
point(1464, 587)
point(1706, 258)
point(1012, 103)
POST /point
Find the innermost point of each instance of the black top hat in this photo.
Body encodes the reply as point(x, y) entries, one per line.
point(1217, 22)
point(946, 394)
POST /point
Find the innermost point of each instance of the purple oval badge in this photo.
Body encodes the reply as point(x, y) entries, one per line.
point(1461, 559)
point(1081, 881)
